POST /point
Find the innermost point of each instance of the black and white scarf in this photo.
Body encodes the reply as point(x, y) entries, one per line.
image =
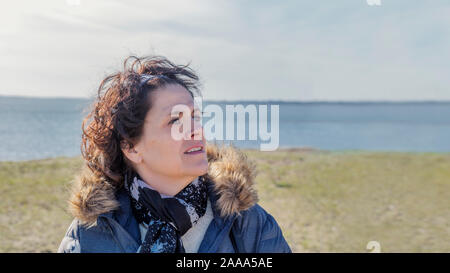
point(166, 217)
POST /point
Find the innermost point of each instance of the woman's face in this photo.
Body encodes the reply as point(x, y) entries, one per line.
point(159, 156)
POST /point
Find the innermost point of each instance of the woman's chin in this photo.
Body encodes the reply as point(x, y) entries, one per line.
point(197, 169)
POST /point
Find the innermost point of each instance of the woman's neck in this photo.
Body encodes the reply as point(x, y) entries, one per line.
point(166, 185)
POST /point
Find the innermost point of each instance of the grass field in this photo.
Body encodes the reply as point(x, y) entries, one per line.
point(323, 201)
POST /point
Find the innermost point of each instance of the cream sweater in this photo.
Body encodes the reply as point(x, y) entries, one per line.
point(194, 236)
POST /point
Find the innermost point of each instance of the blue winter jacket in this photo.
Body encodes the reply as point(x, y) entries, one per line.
point(239, 223)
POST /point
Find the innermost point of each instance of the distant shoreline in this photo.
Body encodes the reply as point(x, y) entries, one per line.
point(359, 102)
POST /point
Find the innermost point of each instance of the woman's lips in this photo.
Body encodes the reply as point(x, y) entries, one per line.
point(196, 147)
point(196, 152)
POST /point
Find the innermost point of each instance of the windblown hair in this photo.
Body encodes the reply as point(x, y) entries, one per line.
point(116, 120)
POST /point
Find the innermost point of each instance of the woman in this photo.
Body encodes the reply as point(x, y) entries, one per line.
point(142, 190)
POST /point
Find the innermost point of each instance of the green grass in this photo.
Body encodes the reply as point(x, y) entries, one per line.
point(323, 201)
point(33, 211)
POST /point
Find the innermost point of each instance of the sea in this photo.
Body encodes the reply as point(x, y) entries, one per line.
point(37, 128)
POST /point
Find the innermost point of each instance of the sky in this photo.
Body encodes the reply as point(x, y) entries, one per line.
point(328, 50)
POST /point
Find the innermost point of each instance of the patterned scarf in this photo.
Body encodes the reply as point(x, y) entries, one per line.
point(166, 217)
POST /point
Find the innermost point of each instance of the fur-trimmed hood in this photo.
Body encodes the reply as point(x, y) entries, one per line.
point(231, 173)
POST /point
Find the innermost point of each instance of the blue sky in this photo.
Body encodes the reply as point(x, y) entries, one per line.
point(242, 50)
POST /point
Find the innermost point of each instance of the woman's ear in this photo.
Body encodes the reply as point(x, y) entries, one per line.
point(132, 153)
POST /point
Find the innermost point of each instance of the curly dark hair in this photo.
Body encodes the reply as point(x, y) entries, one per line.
point(118, 114)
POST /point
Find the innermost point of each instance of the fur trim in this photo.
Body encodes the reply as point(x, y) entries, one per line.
point(233, 176)
point(229, 169)
point(90, 198)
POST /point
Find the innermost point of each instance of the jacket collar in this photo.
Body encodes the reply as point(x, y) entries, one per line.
point(230, 179)
point(124, 217)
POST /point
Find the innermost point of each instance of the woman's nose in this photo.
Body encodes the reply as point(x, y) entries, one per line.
point(197, 130)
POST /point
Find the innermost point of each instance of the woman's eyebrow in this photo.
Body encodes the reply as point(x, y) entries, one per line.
point(176, 113)
point(170, 113)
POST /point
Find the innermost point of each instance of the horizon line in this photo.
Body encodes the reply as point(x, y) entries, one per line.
point(286, 101)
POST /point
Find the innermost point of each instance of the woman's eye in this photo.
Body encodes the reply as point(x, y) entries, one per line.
point(174, 120)
point(197, 117)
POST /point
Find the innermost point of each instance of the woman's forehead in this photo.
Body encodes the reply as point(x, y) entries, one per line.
point(165, 99)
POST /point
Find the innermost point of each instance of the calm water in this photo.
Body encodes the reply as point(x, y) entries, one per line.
point(34, 128)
